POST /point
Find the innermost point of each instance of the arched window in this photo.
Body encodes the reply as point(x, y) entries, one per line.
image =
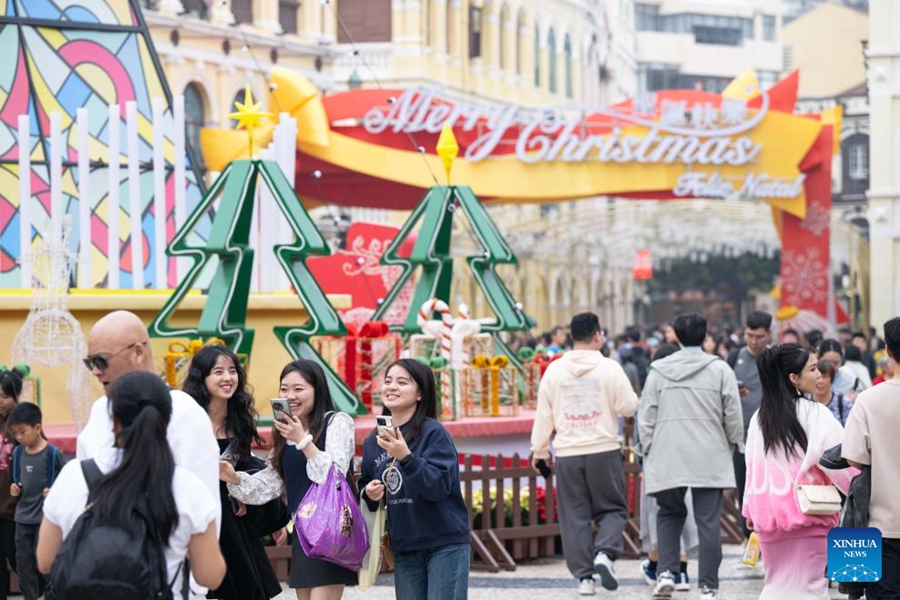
point(504, 36)
point(537, 57)
point(194, 119)
point(520, 46)
point(551, 60)
point(567, 57)
point(242, 11)
point(238, 97)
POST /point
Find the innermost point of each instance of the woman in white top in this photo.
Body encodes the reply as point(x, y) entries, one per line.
point(180, 505)
point(305, 445)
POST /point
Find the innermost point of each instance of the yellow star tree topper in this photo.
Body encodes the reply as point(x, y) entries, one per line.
point(248, 115)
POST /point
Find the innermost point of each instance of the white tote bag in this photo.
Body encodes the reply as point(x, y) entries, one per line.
point(371, 562)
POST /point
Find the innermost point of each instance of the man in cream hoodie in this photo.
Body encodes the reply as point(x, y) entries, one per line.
point(581, 398)
point(690, 422)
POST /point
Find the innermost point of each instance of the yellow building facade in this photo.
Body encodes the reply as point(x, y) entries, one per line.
point(529, 52)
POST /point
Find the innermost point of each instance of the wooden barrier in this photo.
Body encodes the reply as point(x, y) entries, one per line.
point(524, 526)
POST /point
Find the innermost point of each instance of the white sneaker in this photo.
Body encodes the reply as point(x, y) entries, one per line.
point(707, 593)
point(682, 582)
point(586, 587)
point(606, 569)
point(665, 585)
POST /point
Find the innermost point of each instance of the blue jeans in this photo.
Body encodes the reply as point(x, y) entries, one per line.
point(435, 574)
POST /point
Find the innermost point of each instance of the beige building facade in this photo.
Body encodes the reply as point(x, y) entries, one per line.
point(883, 57)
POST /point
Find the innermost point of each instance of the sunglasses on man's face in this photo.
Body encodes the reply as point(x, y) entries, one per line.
point(101, 362)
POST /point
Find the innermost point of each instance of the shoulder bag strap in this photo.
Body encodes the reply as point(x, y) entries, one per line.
point(51, 464)
point(92, 473)
point(16, 466)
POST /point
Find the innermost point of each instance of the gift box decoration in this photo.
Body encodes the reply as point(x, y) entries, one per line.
point(490, 387)
point(455, 338)
point(362, 357)
point(531, 377)
point(445, 381)
point(179, 356)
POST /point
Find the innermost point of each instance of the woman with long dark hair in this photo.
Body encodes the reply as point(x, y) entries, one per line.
point(11, 382)
point(786, 439)
point(217, 381)
point(414, 467)
point(305, 445)
point(140, 466)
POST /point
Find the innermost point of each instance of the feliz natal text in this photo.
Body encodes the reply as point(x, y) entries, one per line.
point(755, 185)
point(853, 544)
point(547, 135)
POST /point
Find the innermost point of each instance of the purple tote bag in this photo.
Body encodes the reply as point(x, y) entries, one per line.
point(329, 524)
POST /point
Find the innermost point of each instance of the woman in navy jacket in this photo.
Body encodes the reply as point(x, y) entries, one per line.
point(415, 470)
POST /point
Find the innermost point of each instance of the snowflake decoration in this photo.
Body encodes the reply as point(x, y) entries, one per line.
point(817, 221)
point(854, 573)
point(804, 277)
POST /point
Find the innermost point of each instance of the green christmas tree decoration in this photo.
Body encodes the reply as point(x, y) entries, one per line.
point(431, 252)
point(225, 312)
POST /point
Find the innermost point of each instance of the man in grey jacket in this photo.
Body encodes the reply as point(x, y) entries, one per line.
point(690, 422)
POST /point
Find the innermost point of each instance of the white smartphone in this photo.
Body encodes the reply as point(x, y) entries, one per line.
point(385, 422)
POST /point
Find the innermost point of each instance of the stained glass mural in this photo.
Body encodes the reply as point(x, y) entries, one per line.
point(71, 54)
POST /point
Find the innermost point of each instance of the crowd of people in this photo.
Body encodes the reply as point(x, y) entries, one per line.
point(710, 414)
point(714, 412)
point(176, 467)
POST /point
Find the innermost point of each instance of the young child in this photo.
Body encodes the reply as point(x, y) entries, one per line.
point(35, 465)
point(10, 389)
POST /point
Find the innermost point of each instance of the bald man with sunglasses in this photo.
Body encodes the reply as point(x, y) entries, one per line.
point(117, 344)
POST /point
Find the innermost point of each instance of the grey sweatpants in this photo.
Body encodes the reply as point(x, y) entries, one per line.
point(708, 516)
point(591, 488)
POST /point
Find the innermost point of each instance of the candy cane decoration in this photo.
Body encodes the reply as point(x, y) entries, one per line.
point(425, 312)
point(457, 347)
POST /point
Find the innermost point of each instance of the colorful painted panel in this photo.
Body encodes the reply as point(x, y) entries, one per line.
point(59, 63)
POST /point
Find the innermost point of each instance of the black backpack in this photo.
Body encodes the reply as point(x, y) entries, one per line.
point(106, 562)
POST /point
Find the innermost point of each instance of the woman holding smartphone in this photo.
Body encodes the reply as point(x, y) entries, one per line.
point(306, 442)
point(413, 466)
point(216, 380)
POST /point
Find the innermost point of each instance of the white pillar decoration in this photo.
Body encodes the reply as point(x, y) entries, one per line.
point(159, 195)
point(180, 182)
point(134, 196)
point(24, 199)
point(258, 269)
point(56, 204)
point(268, 229)
point(113, 247)
point(84, 201)
point(287, 154)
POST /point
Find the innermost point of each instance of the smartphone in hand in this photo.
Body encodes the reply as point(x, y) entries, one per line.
point(385, 422)
point(544, 468)
point(281, 405)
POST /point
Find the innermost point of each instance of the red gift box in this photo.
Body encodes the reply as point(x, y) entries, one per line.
point(361, 356)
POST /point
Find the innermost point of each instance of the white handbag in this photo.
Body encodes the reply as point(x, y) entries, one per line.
point(818, 499)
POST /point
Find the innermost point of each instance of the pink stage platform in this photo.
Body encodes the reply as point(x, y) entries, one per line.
point(482, 429)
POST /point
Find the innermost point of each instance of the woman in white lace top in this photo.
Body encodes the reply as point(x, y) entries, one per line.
point(304, 446)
